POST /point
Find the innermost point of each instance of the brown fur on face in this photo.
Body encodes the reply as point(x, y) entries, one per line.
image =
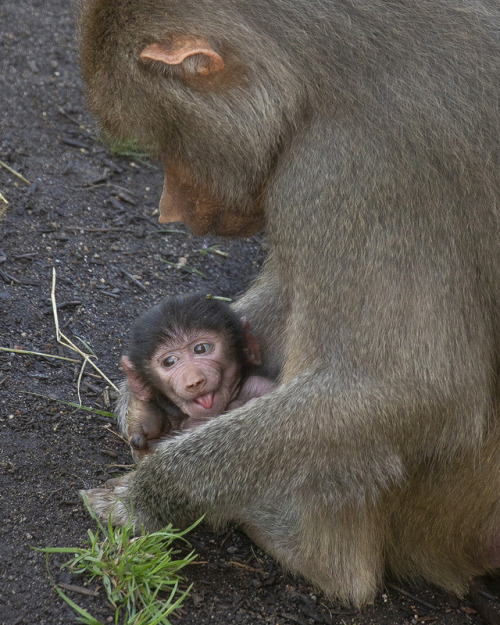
point(182, 200)
point(370, 132)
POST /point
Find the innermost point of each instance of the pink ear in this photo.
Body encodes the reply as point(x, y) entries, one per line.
point(253, 347)
point(182, 48)
point(139, 387)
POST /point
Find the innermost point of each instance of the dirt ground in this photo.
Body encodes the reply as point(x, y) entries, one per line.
point(91, 216)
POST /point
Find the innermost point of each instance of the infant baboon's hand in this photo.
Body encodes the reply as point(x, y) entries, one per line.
point(150, 422)
point(111, 501)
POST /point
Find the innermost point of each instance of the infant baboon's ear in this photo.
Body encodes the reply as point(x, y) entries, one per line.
point(139, 387)
point(252, 348)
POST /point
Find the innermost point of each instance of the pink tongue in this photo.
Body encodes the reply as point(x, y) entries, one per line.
point(205, 400)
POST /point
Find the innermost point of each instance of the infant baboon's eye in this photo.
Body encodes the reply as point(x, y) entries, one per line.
point(169, 361)
point(202, 348)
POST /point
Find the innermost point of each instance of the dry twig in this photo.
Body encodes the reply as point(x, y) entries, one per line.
point(66, 342)
point(14, 172)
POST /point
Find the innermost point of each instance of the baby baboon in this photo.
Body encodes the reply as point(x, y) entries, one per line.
point(190, 359)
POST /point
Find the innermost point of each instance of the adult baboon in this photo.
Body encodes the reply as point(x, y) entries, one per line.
point(365, 135)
